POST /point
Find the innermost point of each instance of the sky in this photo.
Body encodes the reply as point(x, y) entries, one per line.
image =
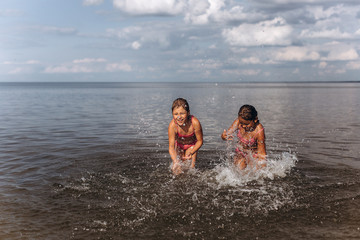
point(179, 40)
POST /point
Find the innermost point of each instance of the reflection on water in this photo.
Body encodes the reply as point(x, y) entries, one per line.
point(90, 161)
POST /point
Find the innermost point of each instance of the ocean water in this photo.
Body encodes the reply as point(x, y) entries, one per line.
point(90, 161)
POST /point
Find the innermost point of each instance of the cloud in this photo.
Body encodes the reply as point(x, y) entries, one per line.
point(200, 65)
point(92, 2)
point(199, 11)
point(55, 30)
point(328, 33)
point(353, 65)
point(19, 70)
point(10, 13)
point(114, 67)
point(28, 62)
point(323, 64)
point(69, 69)
point(342, 54)
point(297, 54)
point(322, 12)
point(136, 45)
point(89, 60)
point(243, 72)
point(296, 71)
point(273, 32)
point(149, 35)
point(251, 60)
point(150, 7)
point(89, 65)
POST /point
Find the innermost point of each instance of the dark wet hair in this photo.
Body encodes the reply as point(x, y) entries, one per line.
point(180, 102)
point(248, 112)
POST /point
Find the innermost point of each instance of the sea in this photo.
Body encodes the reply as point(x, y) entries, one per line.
point(91, 161)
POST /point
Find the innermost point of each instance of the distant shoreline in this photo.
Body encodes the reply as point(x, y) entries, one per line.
point(219, 82)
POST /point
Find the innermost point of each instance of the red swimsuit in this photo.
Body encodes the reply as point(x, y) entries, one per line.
point(185, 141)
point(248, 142)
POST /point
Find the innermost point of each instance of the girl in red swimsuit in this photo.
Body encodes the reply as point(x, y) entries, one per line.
point(185, 136)
point(251, 138)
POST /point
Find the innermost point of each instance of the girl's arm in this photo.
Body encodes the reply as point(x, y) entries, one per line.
point(171, 134)
point(199, 140)
point(227, 135)
point(261, 143)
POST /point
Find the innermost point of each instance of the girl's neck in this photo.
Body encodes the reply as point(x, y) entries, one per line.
point(186, 124)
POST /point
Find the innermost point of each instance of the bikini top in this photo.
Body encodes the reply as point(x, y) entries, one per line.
point(248, 142)
point(185, 139)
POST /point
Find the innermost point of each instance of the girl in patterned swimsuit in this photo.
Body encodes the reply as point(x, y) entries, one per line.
point(185, 136)
point(251, 138)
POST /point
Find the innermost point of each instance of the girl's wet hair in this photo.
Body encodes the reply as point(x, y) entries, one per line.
point(180, 102)
point(248, 112)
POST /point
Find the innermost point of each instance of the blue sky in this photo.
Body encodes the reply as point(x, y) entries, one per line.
point(179, 40)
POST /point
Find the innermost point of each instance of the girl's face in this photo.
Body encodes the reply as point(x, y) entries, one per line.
point(248, 125)
point(180, 115)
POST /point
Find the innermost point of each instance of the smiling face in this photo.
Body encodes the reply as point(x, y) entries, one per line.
point(180, 115)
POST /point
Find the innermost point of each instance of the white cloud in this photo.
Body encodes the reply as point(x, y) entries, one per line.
point(88, 65)
point(296, 54)
point(204, 11)
point(244, 72)
point(68, 69)
point(199, 11)
point(296, 71)
point(89, 60)
point(136, 45)
point(323, 64)
point(273, 32)
point(20, 70)
point(251, 60)
point(55, 30)
point(28, 62)
point(327, 33)
point(150, 7)
point(114, 67)
point(320, 12)
point(10, 13)
point(200, 65)
point(342, 54)
point(353, 65)
point(92, 2)
point(146, 35)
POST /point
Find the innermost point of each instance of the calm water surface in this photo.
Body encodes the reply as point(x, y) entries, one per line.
point(90, 161)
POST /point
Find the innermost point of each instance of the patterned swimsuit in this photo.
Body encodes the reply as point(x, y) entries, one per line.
point(185, 141)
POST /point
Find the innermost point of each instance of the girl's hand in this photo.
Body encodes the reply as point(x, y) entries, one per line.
point(225, 136)
point(188, 154)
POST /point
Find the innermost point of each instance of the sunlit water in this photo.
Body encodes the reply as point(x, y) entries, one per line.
point(90, 161)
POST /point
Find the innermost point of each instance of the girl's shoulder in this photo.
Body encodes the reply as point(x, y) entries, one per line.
point(195, 121)
point(172, 124)
point(259, 128)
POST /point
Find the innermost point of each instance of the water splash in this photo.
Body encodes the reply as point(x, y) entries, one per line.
point(277, 165)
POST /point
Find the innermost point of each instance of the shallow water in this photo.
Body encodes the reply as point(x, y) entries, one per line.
point(90, 161)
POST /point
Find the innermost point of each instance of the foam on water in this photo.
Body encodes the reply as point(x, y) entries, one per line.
point(277, 165)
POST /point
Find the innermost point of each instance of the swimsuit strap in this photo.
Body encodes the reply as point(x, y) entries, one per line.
point(250, 141)
point(259, 131)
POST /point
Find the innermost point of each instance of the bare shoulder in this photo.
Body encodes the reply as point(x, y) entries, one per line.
point(172, 124)
point(260, 129)
point(236, 121)
point(196, 123)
